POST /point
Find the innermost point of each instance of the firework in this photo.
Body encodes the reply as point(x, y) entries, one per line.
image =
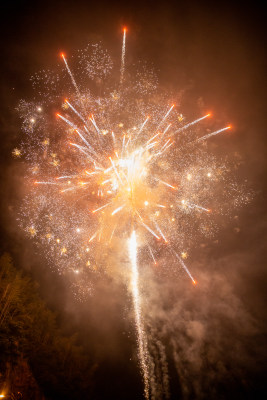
point(116, 162)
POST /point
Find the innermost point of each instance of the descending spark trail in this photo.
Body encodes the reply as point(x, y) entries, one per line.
point(142, 340)
point(112, 159)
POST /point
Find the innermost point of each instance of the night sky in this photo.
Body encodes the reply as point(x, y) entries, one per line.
point(213, 51)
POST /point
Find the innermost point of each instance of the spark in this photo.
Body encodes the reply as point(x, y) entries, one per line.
point(16, 153)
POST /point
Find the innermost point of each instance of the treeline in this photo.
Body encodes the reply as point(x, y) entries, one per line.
point(31, 342)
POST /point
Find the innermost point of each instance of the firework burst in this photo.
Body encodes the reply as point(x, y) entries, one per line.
point(118, 162)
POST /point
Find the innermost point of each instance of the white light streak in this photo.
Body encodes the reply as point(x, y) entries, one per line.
point(141, 337)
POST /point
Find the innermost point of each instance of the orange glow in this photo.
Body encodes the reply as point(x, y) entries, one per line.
point(209, 114)
point(125, 29)
point(229, 127)
point(62, 55)
point(194, 282)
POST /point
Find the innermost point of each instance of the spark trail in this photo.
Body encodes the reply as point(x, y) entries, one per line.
point(142, 340)
point(123, 55)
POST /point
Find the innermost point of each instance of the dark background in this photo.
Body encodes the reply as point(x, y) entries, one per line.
point(216, 50)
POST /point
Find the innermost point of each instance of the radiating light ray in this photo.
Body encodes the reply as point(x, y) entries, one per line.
point(142, 126)
point(184, 266)
point(84, 150)
point(128, 142)
point(101, 208)
point(150, 230)
point(94, 123)
point(192, 205)
point(93, 237)
point(66, 177)
point(86, 129)
point(166, 130)
point(112, 233)
point(165, 183)
point(92, 173)
point(117, 210)
point(67, 121)
point(76, 112)
point(115, 169)
point(113, 137)
point(123, 144)
point(213, 133)
point(165, 116)
point(192, 123)
point(45, 183)
point(151, 145)
point(166, 148)
point(165, 144)
point(152, 255)
point(160, 231)
point(150, 140)
point(106, 181)
point(68, 189)
point(71, 75)
point(84, 140)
